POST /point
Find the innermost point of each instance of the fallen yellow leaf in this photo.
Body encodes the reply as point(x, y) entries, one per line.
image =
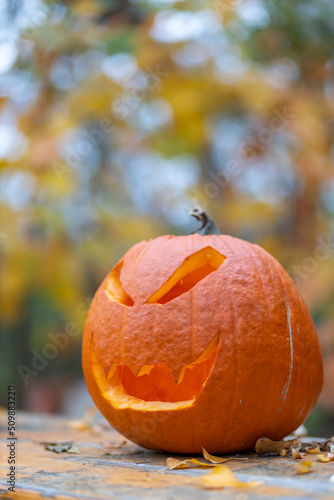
point(212, 458)
point(201, 464)
point(223, 477)
point(86, 422)
point(326, 458)
point(297, 454)
point(304, 467)
point(173, 463)
point(312, 451)
point(218, 460)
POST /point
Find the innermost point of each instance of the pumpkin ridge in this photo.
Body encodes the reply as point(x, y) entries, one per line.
point(122, 335)
point(289, 329)
point(246, 247)
point(192, 421)
point(265, 399)
point(293, 390)
point(237, 375)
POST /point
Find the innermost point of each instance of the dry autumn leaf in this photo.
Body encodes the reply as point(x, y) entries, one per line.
point(212, 458)
point(326, 458)
point(223, 477)
point(297, 454)
point(74, 450)
point(106, 445)
point(325, 445)
point(304, 467)
point(86, 422)
point(173, 463)
point(328, 445)
point(265, 446)
point(218, 460)
point(313, 451)
point(66, 446)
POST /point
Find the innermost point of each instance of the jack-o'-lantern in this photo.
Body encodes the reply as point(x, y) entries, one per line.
point(201, 340)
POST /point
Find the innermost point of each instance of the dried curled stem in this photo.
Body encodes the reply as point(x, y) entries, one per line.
point(208, 225)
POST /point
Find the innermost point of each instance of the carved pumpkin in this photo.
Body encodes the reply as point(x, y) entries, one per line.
point(201, 340)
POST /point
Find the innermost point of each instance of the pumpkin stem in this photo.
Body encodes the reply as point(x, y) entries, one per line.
point(208, 225)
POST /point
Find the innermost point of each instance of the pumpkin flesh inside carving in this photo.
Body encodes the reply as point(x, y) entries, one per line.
point(114, 288)
point(154, 383)
point(194, 269)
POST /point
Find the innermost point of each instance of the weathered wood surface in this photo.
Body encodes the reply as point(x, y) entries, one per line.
point(110, 467)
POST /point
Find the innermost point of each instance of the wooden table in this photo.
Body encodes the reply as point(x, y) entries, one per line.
point(109, 467)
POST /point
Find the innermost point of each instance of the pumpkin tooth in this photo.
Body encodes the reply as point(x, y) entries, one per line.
point(176, 372)
point(112, 370)
point(145, 370)
point(135, 369)
point(182, 372)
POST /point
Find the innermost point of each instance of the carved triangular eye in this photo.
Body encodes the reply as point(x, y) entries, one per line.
point(192, 270)
point(114, 288)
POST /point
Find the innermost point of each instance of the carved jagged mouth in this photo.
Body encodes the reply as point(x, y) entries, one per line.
point(154, 383)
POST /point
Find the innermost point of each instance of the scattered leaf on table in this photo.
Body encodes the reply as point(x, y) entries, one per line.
point(265, 446)
point(212, 458)
point(327, 445)
point(173, 463)
point(78, 425)
point(112, 445)
point(86, 421)
point(219, 460)
point(314, 451)
point(74, 449)
point(326, 458)
point(120, 451)
point(61, 447)
point(324, 445)
point(297, 454)
point(222, 477)
point(304, 467)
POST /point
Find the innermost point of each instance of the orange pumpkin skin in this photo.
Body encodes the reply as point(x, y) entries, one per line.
point(268, 370)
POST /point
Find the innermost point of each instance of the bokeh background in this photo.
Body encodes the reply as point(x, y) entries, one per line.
point(117, 117)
